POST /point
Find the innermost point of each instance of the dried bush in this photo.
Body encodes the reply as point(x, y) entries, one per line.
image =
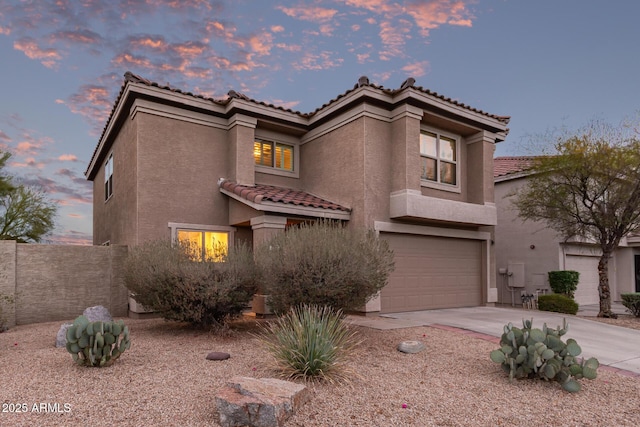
point(324, 263)
point(166, 279)
point(311, 342)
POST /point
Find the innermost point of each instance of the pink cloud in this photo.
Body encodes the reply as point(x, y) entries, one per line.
point(29, 162)
point(76, 36)
point(377, 6)
point(393, 40)
point(308, 13)
point(92, 102)
point(277, 28)
point(321, 61)
point(68, 158)
point(4, 137)
point(417, 69)
point(48, 57)
point(429, 15)
point(5, 31)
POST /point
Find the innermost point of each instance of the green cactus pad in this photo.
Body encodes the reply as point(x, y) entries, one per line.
point(83, 341)
point(497, 356)
point(573, 348)
point(89, 329)
point(109, 339)
point(71, 334)
point(116, 329)
point(572, 386)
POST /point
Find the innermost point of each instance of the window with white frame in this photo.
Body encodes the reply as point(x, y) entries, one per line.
point(439, 158)
point(203, 244)
point(273, 154)
point(108, 177)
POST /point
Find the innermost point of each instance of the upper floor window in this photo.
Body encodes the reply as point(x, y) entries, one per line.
point(273, 154)
point(108, 177)
point(439, 158)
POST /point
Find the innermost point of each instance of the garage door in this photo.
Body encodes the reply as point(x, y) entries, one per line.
point(432, 272)
point(587, 266)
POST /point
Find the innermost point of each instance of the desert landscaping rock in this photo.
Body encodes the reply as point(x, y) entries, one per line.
point(61, 338)
point(254, 402)
point(218, 355)
point(97, 312)
point(411, 347)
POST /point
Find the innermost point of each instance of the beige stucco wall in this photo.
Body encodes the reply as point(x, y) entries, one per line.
point(179, 164)
point(115, 220)
point(332, 167)
point(57, 282)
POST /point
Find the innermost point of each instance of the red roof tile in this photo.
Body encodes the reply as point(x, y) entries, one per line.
point(503, 166)
point(259, 193)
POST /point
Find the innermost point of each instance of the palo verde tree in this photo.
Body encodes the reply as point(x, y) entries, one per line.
point(26, 214)
point(589, 189)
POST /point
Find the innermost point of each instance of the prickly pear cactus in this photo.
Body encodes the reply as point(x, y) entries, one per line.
point(541, 353)
point(97, 343)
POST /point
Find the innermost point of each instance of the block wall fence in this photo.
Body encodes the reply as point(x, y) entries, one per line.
point(57, 282)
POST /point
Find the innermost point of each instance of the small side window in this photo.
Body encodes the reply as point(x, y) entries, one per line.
point(108, 178)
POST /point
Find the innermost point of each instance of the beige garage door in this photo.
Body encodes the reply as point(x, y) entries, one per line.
point(432, 272)
point(587, 266)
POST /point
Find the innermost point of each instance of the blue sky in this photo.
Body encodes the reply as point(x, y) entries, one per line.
point(545, 63)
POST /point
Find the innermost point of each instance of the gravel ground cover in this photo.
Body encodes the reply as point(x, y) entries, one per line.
point(165, 380)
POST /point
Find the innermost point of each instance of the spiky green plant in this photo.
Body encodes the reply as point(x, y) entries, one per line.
point(311, 342)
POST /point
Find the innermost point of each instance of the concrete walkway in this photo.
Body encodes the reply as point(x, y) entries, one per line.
point(613, 346)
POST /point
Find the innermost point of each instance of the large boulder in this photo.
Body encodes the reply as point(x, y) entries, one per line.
point(61, 338)
point(92, 314)
point(265, 402)
point(97, 312)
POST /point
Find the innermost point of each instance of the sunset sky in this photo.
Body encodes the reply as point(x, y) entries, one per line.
point(546, 63)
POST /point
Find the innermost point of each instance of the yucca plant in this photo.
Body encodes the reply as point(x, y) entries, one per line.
point(311, 342)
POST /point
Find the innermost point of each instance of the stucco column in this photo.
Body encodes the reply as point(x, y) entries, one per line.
point(264, 228)
point(241, 137)
point(480, 148)
point(405, 148)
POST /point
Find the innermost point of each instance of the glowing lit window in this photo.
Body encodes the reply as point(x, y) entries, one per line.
point(273, 155)
point(439, 158)
point(205, 245)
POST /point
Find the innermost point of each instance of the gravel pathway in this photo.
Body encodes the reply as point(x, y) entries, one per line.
point(164, 380)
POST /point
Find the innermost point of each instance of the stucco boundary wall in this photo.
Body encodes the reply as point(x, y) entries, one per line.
point(57, 282)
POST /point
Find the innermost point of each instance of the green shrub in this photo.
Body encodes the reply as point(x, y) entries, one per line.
point(324, 263)
point(166, 279)
point(564, 282)
point(632, 302)
point(97, 343)
point(535, 353)
point(310, 342)
point(558, 303)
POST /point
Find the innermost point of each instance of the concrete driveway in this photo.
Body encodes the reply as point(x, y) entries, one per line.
point(614, 346)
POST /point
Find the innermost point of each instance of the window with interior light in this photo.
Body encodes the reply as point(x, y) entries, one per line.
point(273, 154)
point(205, 245)
point(439, 158)
point(108, 177)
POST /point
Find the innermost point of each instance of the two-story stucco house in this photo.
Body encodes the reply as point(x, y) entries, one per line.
point(413, 165)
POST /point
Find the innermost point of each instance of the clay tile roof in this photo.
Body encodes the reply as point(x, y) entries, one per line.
point(503, 166)
point(260, 193)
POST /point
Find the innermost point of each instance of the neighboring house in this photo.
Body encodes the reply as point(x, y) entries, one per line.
point(527, 251)
point(409, 163)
